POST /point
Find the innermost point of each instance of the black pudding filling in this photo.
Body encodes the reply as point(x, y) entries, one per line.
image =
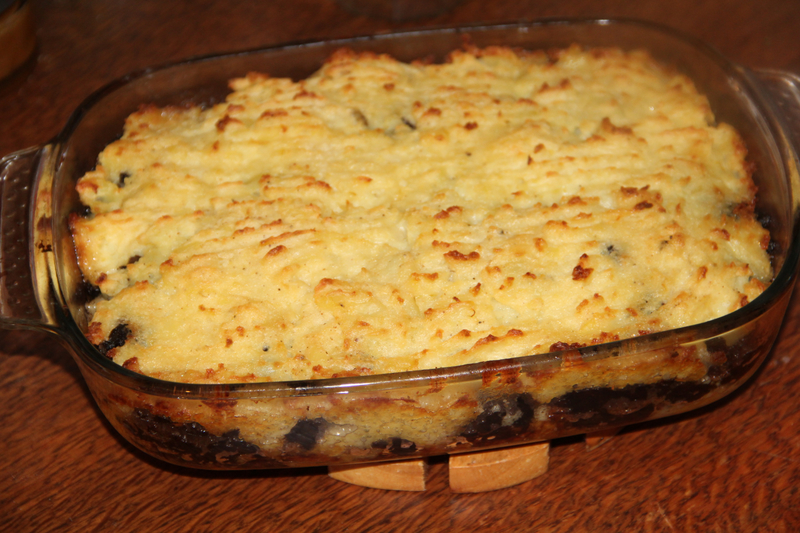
point(118, 337)
point(307, 433)
point(502, 418)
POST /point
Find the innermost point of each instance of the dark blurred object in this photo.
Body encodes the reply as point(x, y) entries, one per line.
point(17, 35)
point(398, 10)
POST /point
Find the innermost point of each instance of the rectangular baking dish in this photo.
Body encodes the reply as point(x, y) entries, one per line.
point(412, 414)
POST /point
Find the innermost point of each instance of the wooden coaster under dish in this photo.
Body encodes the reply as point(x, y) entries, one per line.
point(469, 472)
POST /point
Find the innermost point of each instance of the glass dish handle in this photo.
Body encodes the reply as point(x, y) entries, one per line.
point(19, 295)
point(784, 88)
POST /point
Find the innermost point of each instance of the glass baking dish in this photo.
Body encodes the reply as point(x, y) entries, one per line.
point(411, 414)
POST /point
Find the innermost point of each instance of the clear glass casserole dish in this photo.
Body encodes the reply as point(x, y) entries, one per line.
point(412, 414)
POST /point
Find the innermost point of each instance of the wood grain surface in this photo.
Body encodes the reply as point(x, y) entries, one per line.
point(733, 466)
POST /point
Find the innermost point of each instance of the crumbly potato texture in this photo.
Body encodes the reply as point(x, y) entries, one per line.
point(382, 216)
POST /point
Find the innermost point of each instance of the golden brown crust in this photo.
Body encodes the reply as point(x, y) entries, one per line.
point(380, 217)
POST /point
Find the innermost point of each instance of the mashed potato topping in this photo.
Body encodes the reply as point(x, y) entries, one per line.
point(382, 216)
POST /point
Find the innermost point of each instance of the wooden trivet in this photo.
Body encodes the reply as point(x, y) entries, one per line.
point(395, 475)
point(469, 472)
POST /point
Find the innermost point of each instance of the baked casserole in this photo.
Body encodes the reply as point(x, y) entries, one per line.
point(382, 216)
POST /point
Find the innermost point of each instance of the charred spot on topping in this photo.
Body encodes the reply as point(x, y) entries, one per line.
point(470, 126)
point(312, 182)
point(304, 94)
point(561, 346)
point(475, 290)
point(433, 111)
point(224, 121)
point(642, 205)
point(538, 148)
point(580, 273)
point(530, 160)
point(132, 364)
point(701, 272)
point(118, 337)
point(85, 292)
point(501, 418)
point(122, 177)
point(274, 113)
point(191, 444)
point(388, 86)
point(306, 433)
point(556, 223)
point(605, 337)
point(486, 340)
point(395, 446)
point(458, 256)
point(445, 213)
point(563, 84)
point(722, 233)
point(277, 250)
point(430, 276)
point(576, 200)
point(408, 123)
point(744, 209)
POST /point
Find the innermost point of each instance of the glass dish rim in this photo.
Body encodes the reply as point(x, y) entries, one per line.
point(70, 332)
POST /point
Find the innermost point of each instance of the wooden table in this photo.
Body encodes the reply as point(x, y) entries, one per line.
point(734, 466)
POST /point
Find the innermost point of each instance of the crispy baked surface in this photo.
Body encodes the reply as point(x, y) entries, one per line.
point(381, 217)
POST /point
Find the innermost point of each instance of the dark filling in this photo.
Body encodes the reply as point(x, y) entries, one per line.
point(502, 418)
point(190, 443)
point(131, 260)
point(117, 337)
point(396, 446)
point(85, 292)
point(738, 359)
point(408, 123)
point(602, 406)
point(306, 432)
